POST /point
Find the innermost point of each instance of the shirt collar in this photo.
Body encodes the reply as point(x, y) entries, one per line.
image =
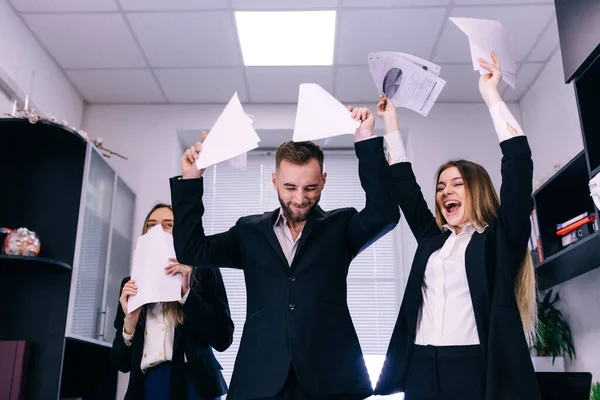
point(468, 229)
point(281, 219)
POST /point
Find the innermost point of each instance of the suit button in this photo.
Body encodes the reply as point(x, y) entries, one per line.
point(292, 278)
point(292, 307)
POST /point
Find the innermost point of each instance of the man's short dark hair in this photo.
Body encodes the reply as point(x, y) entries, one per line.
point(299, 153)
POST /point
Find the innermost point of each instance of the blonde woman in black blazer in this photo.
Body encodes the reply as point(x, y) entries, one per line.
point(469, 304)
point(167, 347)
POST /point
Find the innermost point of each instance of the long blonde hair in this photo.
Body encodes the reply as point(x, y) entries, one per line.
point(172, 309)
point(482, 204)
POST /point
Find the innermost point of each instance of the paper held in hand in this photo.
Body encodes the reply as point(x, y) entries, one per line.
point(231, 136)
point(486, 35)
point(320, 115)
point(408, 81)
point(151, 256)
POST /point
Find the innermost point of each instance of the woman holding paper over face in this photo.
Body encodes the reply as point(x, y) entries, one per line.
point(469, 307)
point(167, 347)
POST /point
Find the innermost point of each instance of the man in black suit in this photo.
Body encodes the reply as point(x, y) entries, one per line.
point(298, 341)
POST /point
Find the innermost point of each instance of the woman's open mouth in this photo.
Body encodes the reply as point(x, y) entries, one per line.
point(452, 206)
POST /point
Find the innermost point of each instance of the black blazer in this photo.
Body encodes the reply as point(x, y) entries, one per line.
point(295, 315)
point(207, 323)
point(492, 261)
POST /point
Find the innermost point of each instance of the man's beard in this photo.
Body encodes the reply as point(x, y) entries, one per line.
point(298, 216)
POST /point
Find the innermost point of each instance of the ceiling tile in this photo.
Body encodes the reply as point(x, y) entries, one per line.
point(172, 5)
point(525, 23)
point(548, 43)
point(272, 5)
point(406, 30)
point(355, 84)
point(202, 85)
point(280, 84)
point(64, 5)
point(192, 39)
point(525, 78)
point(116, 86)
point(393, 3)
point(87, 40)
point(462, 84)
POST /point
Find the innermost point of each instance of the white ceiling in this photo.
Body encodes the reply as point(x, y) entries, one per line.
point(187, 51)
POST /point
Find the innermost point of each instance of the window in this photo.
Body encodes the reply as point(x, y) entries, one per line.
point(374, 280)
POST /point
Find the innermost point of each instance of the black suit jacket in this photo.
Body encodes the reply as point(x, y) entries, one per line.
point(492, 262)
point(207, 323)
point(295, 315)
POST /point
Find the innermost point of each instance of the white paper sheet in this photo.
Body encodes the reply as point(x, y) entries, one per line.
point(408, 81)
point(320, 115)
point(151, 256)
point(240, 162)
point(231, 136)
point(419, 62)
point(595, 189)
point(485, 35)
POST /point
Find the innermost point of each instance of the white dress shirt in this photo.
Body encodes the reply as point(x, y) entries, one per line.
point(284, 236)
point(446, 316)
point(158, 336)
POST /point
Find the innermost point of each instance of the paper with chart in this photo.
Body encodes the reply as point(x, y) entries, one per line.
point(320, 115)
point(485, 35)
point(406, 80)
point(231, 136)
point(151, 256)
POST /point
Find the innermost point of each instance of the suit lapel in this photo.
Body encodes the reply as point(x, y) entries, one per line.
point(316, 213)
point(178, 342)
point(415, 280)
point(478, 284)
point(267, 227)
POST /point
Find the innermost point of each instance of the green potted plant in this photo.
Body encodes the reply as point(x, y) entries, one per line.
point(554, 340)
point(595, 392)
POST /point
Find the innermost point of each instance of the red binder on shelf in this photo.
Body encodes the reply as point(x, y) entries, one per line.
point(14, 357)
point(576, 225)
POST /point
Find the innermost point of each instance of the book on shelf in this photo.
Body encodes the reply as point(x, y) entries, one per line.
point(571, 221)
point(578, 234)
point(570, 228)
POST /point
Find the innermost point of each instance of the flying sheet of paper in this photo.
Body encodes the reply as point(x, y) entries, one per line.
point(419, 62)
point(408, 81)
point(151, 256)
point(320, 115)
point(485, 35)
point(231, 136)
point(240, 162)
